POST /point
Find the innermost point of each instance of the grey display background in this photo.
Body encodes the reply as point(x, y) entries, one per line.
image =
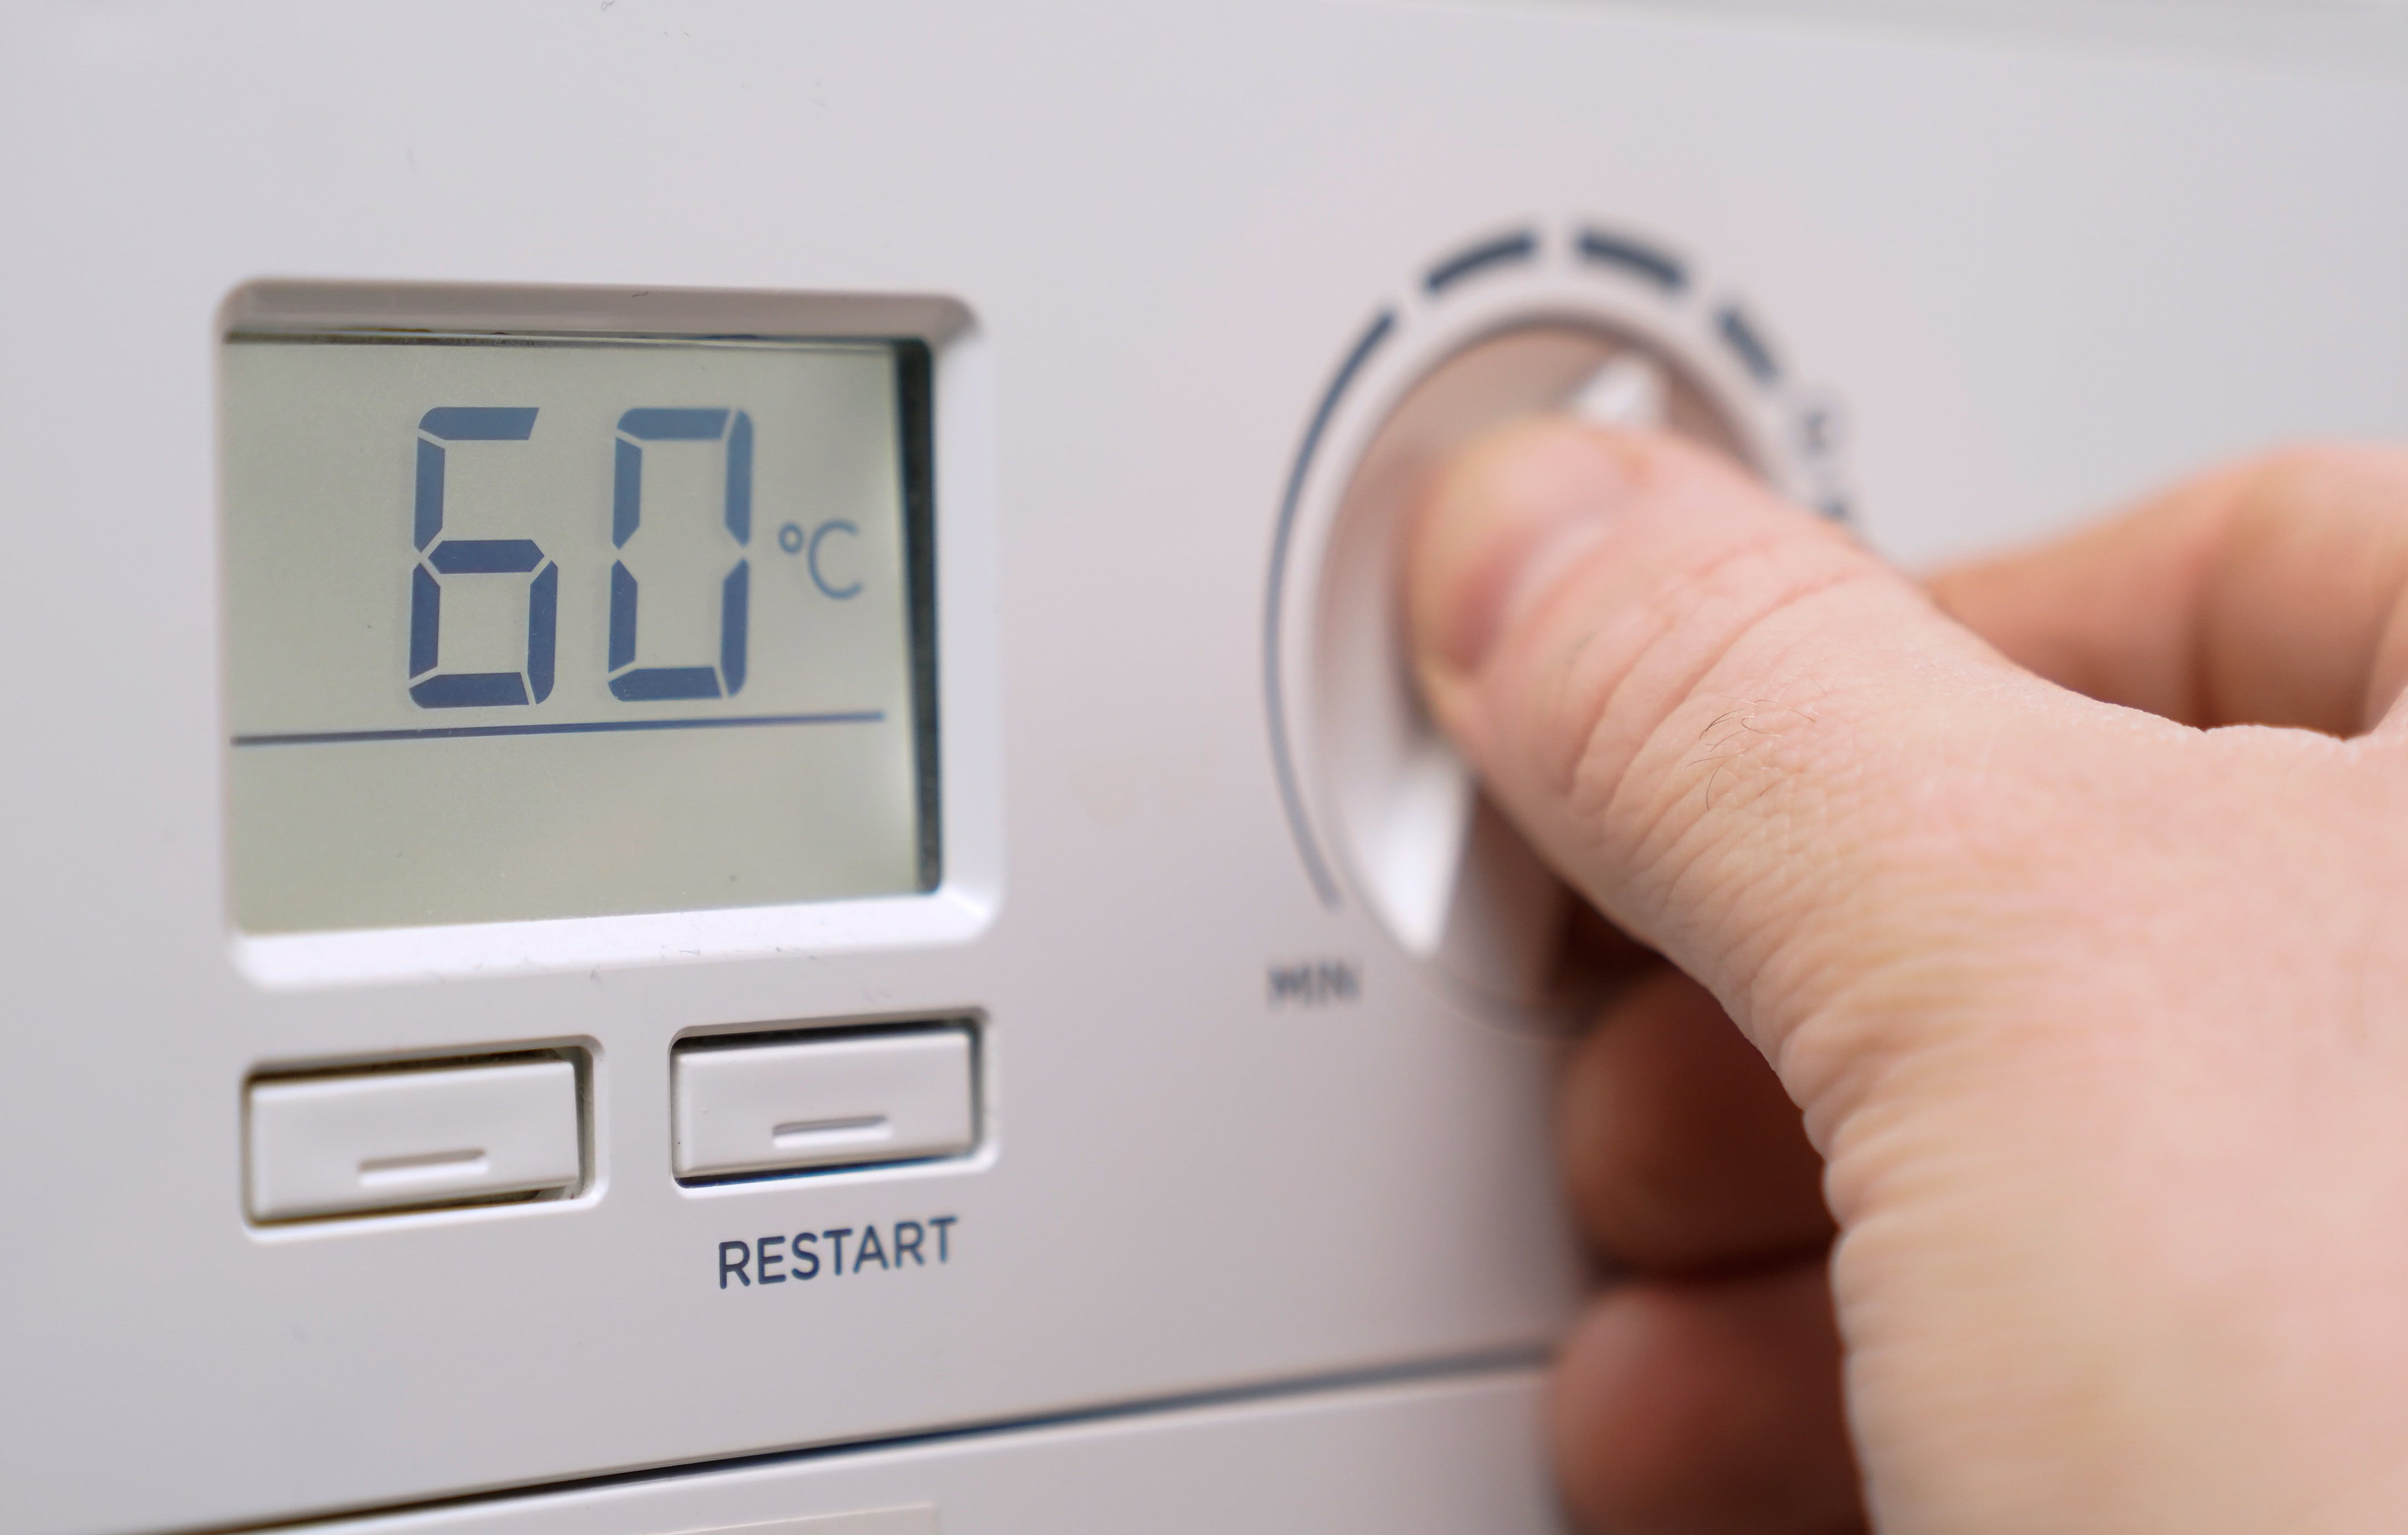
point(319, 454)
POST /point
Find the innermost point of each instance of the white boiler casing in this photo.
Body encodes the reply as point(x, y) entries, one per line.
point(1211, 1055)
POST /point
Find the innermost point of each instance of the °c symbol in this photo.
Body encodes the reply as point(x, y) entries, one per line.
point(819, 579)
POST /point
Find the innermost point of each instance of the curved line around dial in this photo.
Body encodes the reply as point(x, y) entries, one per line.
point(1283, 758)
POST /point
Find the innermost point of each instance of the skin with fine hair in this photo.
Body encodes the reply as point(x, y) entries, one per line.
point(2012, 1133)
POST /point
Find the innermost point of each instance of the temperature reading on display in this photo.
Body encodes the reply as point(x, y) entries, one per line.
point(503, 645)
point(439, 556)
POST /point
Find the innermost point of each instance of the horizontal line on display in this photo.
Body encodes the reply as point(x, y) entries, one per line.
point(589, 728)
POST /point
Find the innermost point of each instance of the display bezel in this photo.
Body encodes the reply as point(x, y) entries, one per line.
point(940, 391)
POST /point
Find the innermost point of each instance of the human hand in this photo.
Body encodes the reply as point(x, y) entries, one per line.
point(2064, 898)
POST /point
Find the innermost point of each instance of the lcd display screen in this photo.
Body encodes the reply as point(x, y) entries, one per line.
point(527, 627)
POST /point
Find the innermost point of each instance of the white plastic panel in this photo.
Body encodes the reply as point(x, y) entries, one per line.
point(1457, 1453)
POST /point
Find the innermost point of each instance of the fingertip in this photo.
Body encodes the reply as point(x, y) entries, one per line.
point(1707, 1408)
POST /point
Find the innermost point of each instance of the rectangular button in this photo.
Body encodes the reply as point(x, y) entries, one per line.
point(816, 1103)
point(402, 1140)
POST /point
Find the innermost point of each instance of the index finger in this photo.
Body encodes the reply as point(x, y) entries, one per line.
point(2269, 593)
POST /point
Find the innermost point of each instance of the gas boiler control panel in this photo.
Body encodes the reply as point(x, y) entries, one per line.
point(715, 818)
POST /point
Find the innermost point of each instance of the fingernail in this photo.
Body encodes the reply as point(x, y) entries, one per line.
point(1503, 517)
